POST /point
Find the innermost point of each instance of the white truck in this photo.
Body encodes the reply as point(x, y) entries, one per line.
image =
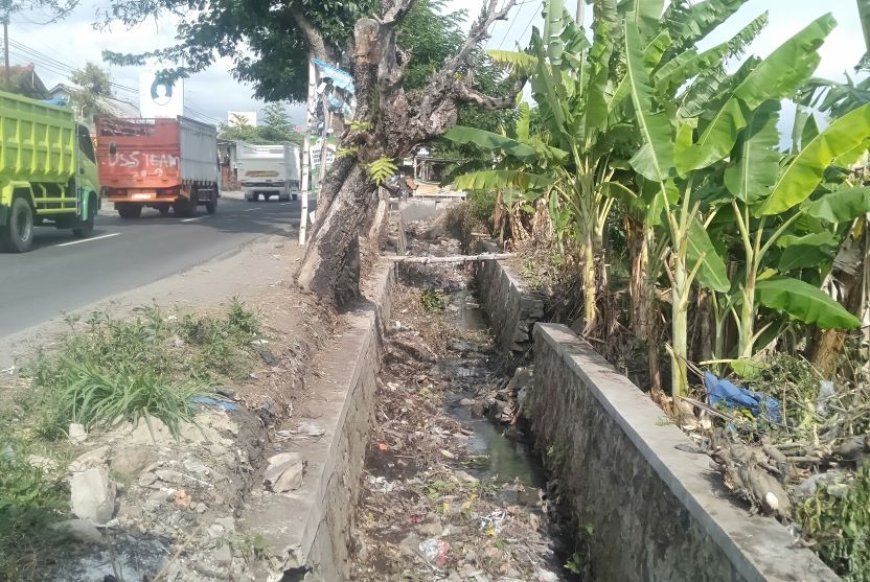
point(268, 170)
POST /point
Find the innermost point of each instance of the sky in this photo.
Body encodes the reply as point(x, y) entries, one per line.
point(59, 47)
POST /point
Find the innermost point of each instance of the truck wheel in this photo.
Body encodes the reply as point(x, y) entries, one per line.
point(85, 227)
point(17, 236)
point(211, 205)
point(129, 210)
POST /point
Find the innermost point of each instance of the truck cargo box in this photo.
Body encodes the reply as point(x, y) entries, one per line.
point(266, 170)
point(159, 163)
point(156, 153)
point(48, 173)
point(50, 158)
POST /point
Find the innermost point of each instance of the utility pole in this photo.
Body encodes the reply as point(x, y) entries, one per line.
point(306, 150)
point(6, 45)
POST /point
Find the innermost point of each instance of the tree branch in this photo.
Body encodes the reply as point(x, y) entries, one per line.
point(478, 33)
point(467, 94)
point(315, 40)
point(397, 12)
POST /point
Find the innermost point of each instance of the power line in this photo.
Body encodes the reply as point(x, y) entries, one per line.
point(518, 6)
point(59, 67)
point(507, 33)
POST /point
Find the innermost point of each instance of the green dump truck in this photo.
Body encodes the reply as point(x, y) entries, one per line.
point(48, 172)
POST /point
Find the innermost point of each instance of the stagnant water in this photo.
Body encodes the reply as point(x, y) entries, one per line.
point(448, 493)
point(509, 458)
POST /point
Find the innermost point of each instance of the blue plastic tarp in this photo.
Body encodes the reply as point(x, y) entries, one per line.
point(340, 78)
point(216, 403)
point(721, 391)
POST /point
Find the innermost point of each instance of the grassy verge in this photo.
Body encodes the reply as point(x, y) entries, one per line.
point(105, 371)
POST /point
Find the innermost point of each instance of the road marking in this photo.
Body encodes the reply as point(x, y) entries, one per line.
point(251, 209)
point(195, 218)
point(84, 240)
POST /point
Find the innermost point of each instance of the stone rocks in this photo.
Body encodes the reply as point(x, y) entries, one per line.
point(309, 429)
point(284, 473)
point(77, 433)
point(92, 495)
point(223, 555)
point(80, 530)
point(129, 461)
point(41, 462)
point(94, 458)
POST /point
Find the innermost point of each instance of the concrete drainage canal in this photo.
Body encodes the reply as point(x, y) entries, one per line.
point(450, 490)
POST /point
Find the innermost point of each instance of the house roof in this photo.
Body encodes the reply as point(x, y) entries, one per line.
point(23, 80)
point(110, 105)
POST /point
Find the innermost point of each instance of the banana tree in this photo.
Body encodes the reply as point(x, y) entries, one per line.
point(788, 218)
point(684, 148)
point(571, 84)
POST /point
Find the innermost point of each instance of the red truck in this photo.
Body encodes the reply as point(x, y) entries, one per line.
point(159, 163)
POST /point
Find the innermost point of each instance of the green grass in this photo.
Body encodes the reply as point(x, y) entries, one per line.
point(103, 371)
point(131, 369)
point(432, 300)
point(840, 527)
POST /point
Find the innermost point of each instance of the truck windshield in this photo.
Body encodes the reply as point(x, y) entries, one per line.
point(85, 144)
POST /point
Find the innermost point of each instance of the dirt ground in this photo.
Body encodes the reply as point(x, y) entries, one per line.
point(259, 275)
point(173, 502)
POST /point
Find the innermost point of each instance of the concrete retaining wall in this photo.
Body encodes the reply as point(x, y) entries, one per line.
point(657, 512)
point(328, 526)
point(310, 530)
point(511, 308)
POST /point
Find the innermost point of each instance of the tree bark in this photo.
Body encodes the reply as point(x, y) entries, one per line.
point(332, 256)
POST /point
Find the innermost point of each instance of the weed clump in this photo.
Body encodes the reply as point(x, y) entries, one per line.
point(432, 300)
point(152, 366)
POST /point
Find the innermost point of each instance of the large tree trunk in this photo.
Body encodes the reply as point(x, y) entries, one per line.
point(332, 256)
point(389, 123)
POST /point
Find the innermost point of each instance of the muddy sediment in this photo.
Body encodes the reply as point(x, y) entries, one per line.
point(451, 491)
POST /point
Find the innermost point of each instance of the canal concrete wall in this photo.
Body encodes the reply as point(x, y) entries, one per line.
point(655, 510)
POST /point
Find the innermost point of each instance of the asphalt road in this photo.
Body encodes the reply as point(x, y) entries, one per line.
point(63, 273)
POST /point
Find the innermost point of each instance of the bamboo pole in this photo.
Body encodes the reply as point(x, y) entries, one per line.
point(451, 258)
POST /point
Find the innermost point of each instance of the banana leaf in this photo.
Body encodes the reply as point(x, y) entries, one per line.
point(712, 273)
point(655, 158)
point(804, 302)
point(756, 167)
point(499, 179)
point(490, 141)
point(776, 77)
point(840, 206)
point(806, 170)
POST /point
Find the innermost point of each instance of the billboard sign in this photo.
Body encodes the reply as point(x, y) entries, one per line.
point(158, 98)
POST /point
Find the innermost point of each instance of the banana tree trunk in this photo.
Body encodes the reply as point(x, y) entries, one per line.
point(590, 310)
point(747, 317)
point(642, 291)
point(828, 344)
point(679, 329)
